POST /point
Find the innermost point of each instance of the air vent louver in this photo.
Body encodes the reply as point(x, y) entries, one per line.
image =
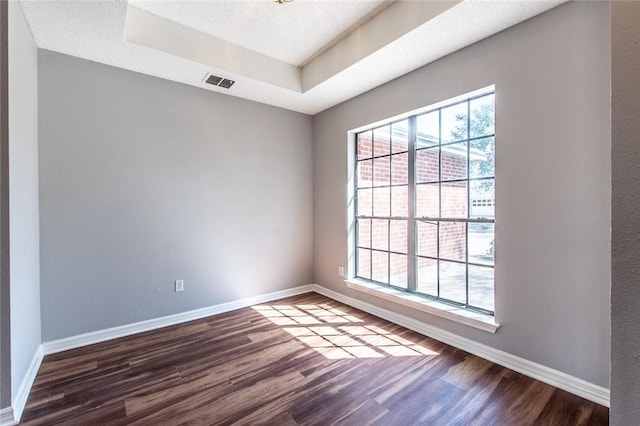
point(226, 83)
point(214, 80)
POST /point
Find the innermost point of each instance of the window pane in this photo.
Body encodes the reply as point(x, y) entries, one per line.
point(427, 240)
point(398, 268)
point(398, 236)
point(381, 142)
point(400, 136)
point(381, 171)
point(399, 201)
point(364, 145)
point(364, 173)
point(482, 199)
point(453, 241)
point(380, 267)
point(364, 264)
point(400, 169)
point(481, 161)
point(380, 234)
point(454, 161)
point(364, 202)
point(454, 165)
point(481, 287)
point(453, 281)
point(427, 165)
point(364, 233)
point(454, 123)
point(454, 199)
point(481, 240)
point(428, 200)
point(381, 202)
point(482, 116)
point(428, 129)
point(427, 276)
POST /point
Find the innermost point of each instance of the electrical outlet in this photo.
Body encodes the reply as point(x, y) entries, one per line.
point(179, 285)
point(341, 271)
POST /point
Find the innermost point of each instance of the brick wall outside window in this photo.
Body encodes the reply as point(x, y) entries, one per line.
point(452, 204)
point(377, 174)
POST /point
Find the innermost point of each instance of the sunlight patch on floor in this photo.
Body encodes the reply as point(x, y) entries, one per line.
point(339, 335)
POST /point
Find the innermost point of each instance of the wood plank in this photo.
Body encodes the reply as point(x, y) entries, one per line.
point(566, 407)
point(303, 360)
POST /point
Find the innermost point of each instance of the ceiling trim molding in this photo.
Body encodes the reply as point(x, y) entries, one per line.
point(393, 22)
point(152, 31)
point(400, 38)
point(383, 29)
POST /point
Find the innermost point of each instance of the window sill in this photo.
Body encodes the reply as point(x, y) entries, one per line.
point(472, 319)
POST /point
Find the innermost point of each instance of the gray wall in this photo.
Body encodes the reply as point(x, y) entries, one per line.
point(5, 288)
point(144, 181)
point(553, 182)
point(23, 195)
point(625, 213)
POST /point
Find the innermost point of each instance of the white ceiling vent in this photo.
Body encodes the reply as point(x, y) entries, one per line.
point(215, 80)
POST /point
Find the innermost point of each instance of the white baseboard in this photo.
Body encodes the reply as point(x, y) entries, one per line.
point(21, 397)
point(574, 385)
point(85, 339)
point(540, 372)
point(12, 415)
point(6, 417)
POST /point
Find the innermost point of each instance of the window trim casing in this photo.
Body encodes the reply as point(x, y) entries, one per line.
point(420, 303)
point(462, 312)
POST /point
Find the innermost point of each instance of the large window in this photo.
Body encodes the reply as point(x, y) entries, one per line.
point(424, 203)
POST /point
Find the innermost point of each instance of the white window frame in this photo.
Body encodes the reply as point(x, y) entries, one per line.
point(460, 312)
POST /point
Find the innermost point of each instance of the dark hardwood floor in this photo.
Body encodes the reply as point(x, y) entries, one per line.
point(304, 360)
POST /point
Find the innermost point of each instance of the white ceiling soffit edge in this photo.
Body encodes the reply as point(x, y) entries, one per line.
point(462, 25)
point(93, 30)
point(155, 32)
point(391, 24)
point(363, 60)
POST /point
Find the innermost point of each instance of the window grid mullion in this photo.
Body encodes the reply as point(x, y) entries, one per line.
point(373, 196)
point(439, 199)
point(355, 196)
point(411, 205)
point(461, 262)
point(473, 139)
point(388, 251)
point(390, 204)
point(466, 225)
point(395, 252)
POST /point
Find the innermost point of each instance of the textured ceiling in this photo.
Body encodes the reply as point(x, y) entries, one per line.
point(292, 33)
point(304, 56)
